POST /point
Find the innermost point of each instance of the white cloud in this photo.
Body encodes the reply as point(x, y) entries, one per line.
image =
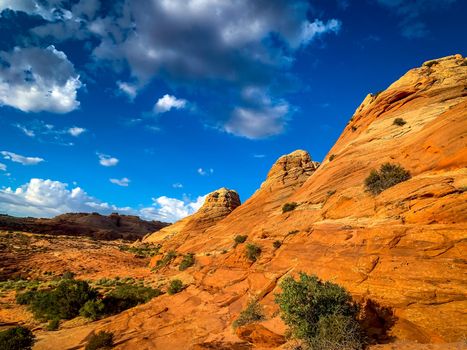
point(106, 160)
point(260, 117)
point(46, 10)
point(21, 159)
point(76, 131)
point(177, 185)
point(205, 172)
point(35, 80)
point(171, 209)
point(2, 167)
point(121, 182)
point(27, 132)
point(46, 198)
point(312, 29)
point(168, 102)
point(130, 90)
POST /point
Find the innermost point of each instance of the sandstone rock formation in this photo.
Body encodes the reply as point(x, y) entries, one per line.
point(401, 253)
point(113, 226)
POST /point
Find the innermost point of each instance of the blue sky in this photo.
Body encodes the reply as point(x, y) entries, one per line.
point(145, 107)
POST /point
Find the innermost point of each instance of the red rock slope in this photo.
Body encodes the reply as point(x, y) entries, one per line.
point(403, 251)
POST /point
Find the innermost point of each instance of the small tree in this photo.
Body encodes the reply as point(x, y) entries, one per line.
point(310, 306)
point(100, 341)
point(240, 239)
point(387, 176)
point(252, 252)
point(289, 207)
point(277, 244)
point(252, 313)
point(175, 287)
point(17, 338)
point(188, 261)
point(399, 122)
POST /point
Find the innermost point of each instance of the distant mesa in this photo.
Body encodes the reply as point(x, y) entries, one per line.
point(105, 227)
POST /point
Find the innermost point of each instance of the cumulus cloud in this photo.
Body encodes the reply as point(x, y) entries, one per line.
point(76, 131)
point(168, 102)
point(260, 117)
point(47, 198)
point(171, 209)
point(17, 158)
point(106, 160)
point(205, 172)
point(49, 10)
point(2, 167)
point(34, 80)
point(124, 182)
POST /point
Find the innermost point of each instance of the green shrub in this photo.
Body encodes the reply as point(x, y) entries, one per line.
point(289, 207)
point(277, 244)
point(25, 298)
point(17, 338)
point(100, 341)
point(93, 309)
point(240, 239)
point(331, 157)
point(293, 232)
point(388, 176)
point(337, 332)
point(252, 252)
point(188, 261)
point(53, 324)
point(175, 287)
point(166, 259)
point(308, 306)
point(252, 313)
point(68, 275)
point(64, 302)
point(143, 251)
point(127, 296)
point(399, 122)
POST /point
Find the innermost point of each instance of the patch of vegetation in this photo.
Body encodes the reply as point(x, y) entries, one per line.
point(166, 259)
point(63, 302)
point(252, 252)
point(289, 207)
point(240, 239)
point(188, 261)
point(142, 251)
point(100, 341)
point(17, 338)
point(330, 193)
point(293, 232)
point(387, 176)
point(127, 296)
point(175, 287)
point(399, 122)
point(19, 285)
point(252, 313)
point(93, 309)
point(277, 244)
point(332, 157)
point(53, 324)
point(322, 314)
point(68, 275)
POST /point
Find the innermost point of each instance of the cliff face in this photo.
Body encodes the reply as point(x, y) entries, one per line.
point(109, 227)
point(402, 252)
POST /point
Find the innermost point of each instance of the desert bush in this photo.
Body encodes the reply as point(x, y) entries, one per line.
point(310, 306)
point(337, 332)
point(399, 122)
point(293, 232)
point(68, 275)
point(63, 302)
point(188, 261)
point(252, 252)
point(252, 313)
point(100, 341)
point(387, 176)
point(93, 309)
point(17, 338)
point(289, 207)
point(53, 324)
point(142, 251)
point(276, 244)
point(127, 296)
point(175, 287)
point(240, 239)
point(166, 259)
point(331, 157)
point(25, 298)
